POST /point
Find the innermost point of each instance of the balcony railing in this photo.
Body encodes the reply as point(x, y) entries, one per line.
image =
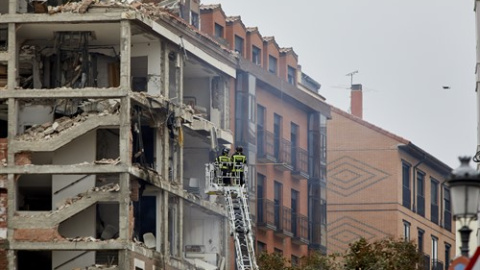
point(266, 214)
point(434, 213)
point(265, 142)
point(283, 155)
point(426, 262)
point(300, 163)
point(300, 229)
point(284, 219)
point(447, 220)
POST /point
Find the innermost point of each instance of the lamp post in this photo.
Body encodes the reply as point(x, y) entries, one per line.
point(464, 184)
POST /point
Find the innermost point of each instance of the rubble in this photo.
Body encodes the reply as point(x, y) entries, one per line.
point(107, 161)
point(105, 188)
point(49, 130)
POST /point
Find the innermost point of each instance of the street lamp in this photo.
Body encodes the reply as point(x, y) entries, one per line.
point(464, 184)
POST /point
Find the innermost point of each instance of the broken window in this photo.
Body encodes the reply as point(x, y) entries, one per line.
point(139, 69)
point(145, 211)
point(3, 75)
point(3, 37)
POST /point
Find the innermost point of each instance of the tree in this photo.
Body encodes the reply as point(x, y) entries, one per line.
point(385, 254)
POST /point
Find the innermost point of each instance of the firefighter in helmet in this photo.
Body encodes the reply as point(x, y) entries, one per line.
point(239, 161)
point(223, 162)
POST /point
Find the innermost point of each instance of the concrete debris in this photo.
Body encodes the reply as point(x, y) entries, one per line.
point(107, 161)
point(112, 187)
point(108, 106)
point(139, 243)
point(47, 131)
point(3, 162)
point(99, 266)
point(83, 239)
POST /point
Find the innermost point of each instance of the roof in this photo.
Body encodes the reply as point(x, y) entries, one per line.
point(404, 144)
point(210, 7)
point(288, 50)
point(232, 18)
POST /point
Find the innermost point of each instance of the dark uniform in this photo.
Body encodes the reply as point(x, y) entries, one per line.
point(224, 163)
point(239, 161)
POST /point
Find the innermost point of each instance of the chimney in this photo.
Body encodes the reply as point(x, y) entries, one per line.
point(356, 100)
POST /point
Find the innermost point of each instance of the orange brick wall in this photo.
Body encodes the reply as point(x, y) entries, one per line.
point(3, 148)
point(270, 48)
point(254, 39)
point(289, 113)
point(286, 59)
point(208, 20)
point(364, 188)
point(236, 29)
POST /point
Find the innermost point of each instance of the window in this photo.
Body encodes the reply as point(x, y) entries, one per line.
point(406, 230)
point(260, 198)
point(448, 247)
point(406, 184)
point(291, 75)
point(277, 202)
point(272, 64)
point(434, 249)
point(421, 193)
point(277, 126)
point(194, 19)
point(261, 131)
point(447, 214)
point(256, 55)
point(294, 260)
point(261, 247)
point(294, 142)
point(434, 201)
point(420, 240)
point(218, 30)
point(239, 45)
point(294, 206)
point(278, 251)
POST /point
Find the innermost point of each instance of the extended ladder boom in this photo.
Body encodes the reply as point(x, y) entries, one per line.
point(238, 213)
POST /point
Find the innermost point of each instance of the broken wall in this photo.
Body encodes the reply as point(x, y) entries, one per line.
point(152, 51)
point(31, 115)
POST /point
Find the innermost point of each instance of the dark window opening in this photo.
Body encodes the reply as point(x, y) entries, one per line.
point(277, 201)
point(218, 30)
point(145, 216)
point(406, 185)
point(194, 19)
point(291, 75)
point(277, 126)
point(434, 201)
point(143, 145)
point(34, 193)
point(421, 194)
point(272, 64)
point(256, 55)
point(27, 260)
point(239, 45)
point(447, 216)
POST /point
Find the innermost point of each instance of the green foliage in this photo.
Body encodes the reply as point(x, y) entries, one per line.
point(385, 254)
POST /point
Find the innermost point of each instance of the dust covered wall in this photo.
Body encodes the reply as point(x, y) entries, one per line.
point(108, 71)
point(34, 115)
point(153, 52)
point(199, 88)
point(202, 229)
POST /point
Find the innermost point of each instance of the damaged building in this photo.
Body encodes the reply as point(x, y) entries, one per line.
point(108, 113)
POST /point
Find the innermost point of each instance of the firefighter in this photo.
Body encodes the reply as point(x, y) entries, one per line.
point(239, 160)
point(223, 162)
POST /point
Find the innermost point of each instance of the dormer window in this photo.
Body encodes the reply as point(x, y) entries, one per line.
point(239, 45)
point(218, 30)
point(256, 55)
point(291, 75)
point(272, 64)
point(194, 20)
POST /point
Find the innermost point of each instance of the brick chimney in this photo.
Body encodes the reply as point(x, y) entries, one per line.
point(356, 100)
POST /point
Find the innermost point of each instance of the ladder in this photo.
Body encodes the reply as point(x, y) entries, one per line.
point(241, 228)
point(238, 213)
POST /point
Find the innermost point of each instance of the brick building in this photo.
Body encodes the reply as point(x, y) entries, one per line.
point(107, 111)
point(383, 185)
point(280, 119)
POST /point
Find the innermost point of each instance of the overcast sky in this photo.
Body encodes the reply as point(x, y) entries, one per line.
point(405, 52)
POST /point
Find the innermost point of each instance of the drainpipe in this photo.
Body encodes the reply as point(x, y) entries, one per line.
point(414, 182)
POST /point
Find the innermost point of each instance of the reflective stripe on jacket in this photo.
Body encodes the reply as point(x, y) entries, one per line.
point(223, 162)
point(238, 161)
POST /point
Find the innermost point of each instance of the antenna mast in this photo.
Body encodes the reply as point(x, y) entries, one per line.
point(351, 77)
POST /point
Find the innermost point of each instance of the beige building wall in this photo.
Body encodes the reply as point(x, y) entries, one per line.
point(365, 190)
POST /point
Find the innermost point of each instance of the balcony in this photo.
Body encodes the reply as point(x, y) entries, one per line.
point(266, 214)
point(283, 152)
point(283, 219)
point(300, 163)
point(300, 229)
point(265, 150)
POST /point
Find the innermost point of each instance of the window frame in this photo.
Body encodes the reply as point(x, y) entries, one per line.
point(256, 55)
point(219, 30)
point(291, 78)
point(239, 44)
point(272, 64)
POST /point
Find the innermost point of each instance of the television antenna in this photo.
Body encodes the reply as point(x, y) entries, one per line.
point(351, 76)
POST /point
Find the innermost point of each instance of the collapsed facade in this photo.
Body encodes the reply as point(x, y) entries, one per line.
point(104, 106)
point(108, 114)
